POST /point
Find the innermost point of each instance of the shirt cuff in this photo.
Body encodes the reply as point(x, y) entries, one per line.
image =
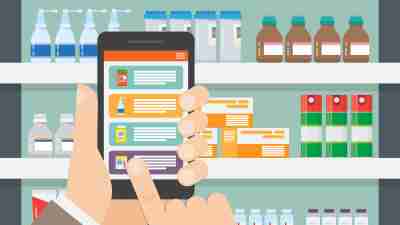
point(73, 210)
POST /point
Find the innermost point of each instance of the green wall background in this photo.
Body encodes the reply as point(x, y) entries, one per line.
point(275, 106)
point(252, 11)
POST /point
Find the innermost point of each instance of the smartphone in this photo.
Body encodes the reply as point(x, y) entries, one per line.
point(140, 78)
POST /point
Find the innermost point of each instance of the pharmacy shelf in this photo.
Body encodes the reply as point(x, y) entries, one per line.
point(234, 168)
point(218, 73)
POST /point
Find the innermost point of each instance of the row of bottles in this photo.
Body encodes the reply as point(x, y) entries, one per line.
point(65, 46)
point(298, 46)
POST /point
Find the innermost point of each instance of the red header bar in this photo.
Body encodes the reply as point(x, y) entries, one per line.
point(179, 55)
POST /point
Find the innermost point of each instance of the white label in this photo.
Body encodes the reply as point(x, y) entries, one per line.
point(43, 146)
point(273, 48)
point(336, 134)
point(67, 145)
point(359, 49)
point(361, 221)
point(313, 220)
point(330, 49)
point(311, 134)
point(345, 220)
point(237, 39)
point(302, 49)
point(361, 134)
point(212, 34)
point(330, 220)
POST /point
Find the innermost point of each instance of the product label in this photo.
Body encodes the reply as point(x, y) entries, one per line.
point(302, 48)
point(330, 49)
point(67, 145)
point(212, 34)
point(361, 221)
point(345, 221)
point(43, 145)
point(65, 50)
point(237, 31)
point(361, 134)
point(273, 48)
point(336, 134)
point(329, 220)
point(88, 50)
point(313, 220)
point(41, 50)
point(311, 134)
point(359, 49)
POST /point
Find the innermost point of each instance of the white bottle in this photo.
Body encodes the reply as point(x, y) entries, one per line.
point(345, 217)
point(329, 217)
point(65, 40)
point(88, 40)
point(361, 217)
point(205, 33)
point(40, 140)
point(114, 25)
point(63, 140)
point(240, 217)
point(230, 36)
point(313, 217)
point(255, 217)
point(287, 217)
point(41, 46)
point(271, 217)
point(121, 106)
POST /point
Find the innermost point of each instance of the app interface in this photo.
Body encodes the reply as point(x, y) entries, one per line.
point(141, 110)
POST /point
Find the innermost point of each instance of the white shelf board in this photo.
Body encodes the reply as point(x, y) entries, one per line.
point(218, 73)
point(231, 168)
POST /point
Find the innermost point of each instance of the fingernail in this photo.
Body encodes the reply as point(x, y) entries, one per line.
point(82, 94)
point(136, 166)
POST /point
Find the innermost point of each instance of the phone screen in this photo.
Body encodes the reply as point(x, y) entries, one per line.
point(141, 110)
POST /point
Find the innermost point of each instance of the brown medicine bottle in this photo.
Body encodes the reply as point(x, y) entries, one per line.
point(356, 47)
point(269, 43)
point(298, 46)
point(327, 42)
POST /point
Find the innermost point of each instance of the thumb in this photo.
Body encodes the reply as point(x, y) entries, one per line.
point(149, 199)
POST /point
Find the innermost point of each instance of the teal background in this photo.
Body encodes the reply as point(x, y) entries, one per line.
point(275, 106)
point(252, 13)
point(132, 85)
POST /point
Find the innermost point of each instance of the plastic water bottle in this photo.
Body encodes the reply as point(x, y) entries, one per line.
point(88, 41)
point(41, 43)
point(114, 21)
point(65, 40)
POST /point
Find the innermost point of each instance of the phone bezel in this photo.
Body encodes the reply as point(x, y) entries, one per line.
point(122, 189)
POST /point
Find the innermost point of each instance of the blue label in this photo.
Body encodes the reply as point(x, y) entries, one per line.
point(88, 50)
point(41, 50)
point(67, 50)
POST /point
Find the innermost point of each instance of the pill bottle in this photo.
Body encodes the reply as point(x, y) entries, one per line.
point(63, 140)
point(298, 45)
point(255, 217)
point(181, 21)
point(313, 217)
point(156, 20)
point(345, 217)
point(356, 47)
point(269, 43)
point(329, 217)
point(230, 36)
point(240, 217)
point(205, 33)
point(361, 217)
point(327, 42)
point(40, 140)
point(271, 217)
point(287, 217)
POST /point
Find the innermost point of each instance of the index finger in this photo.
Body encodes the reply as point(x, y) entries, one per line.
point(194, 99)
point(152, 206)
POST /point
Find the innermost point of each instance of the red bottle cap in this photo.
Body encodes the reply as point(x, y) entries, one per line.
point(336, 103)
point(311, 103)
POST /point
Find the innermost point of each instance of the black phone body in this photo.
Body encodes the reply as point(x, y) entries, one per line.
point(140, 76)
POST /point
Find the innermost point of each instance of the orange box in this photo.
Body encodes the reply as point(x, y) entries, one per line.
point(144, 106)
point(229, 112)
point(229, 142)
point(211, 135)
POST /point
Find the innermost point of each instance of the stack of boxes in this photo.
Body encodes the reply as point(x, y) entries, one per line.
point(233, 117)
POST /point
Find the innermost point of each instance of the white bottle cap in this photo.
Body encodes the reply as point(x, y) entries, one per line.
point(240, 211)
point(66, 118)
point(270, 211)
point(255, 211)
point(286, 211)
point(40, 118)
